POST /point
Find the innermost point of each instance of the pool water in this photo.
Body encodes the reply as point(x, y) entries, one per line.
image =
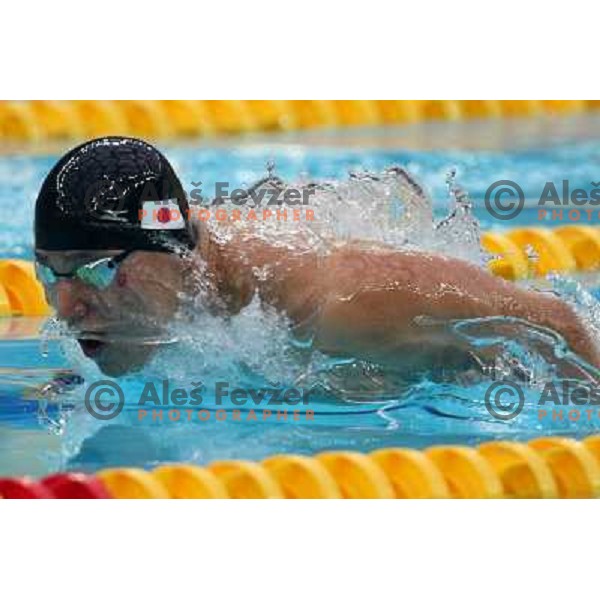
point(44, 425)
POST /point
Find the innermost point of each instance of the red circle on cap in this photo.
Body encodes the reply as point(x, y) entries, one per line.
point(23, 489)
point(163, 215)
point(75, 486)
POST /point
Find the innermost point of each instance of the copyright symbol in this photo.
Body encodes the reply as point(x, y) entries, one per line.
point(496, 408)
point(504, 209)
point(104, 410)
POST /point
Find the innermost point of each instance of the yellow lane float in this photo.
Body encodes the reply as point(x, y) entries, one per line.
point(550, 467)
point(33, 121)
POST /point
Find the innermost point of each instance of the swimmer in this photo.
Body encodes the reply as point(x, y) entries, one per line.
point(115, 277)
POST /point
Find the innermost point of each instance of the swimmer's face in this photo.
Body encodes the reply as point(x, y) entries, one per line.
point(141, 299)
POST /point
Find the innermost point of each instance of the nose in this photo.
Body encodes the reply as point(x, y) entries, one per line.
point(69, 302)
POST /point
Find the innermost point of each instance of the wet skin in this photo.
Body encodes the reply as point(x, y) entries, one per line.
point(370, 301)
point(355, 299)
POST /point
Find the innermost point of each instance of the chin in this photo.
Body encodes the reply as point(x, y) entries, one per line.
point(114, 368)
point(116, 360)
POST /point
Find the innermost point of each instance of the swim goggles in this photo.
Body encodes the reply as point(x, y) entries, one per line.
point(98, 273)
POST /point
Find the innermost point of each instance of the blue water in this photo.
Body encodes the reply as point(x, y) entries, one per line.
point(58, 432)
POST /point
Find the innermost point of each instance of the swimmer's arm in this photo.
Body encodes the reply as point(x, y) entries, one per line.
point(375, 303)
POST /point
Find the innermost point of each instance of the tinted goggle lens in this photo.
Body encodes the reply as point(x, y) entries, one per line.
point(45, 274)
point(99, 274)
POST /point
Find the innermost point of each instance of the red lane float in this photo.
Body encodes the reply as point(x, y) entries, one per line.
point(75, 486)
point(23, 489)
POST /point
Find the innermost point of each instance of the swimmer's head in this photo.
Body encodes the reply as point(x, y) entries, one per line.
point(112, 239)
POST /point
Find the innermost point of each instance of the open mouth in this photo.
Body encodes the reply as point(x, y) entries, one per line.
point(91, 348)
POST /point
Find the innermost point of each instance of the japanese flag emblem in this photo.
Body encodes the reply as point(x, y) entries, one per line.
point(161, 215)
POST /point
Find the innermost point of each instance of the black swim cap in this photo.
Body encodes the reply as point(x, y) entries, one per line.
point(93, 197)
